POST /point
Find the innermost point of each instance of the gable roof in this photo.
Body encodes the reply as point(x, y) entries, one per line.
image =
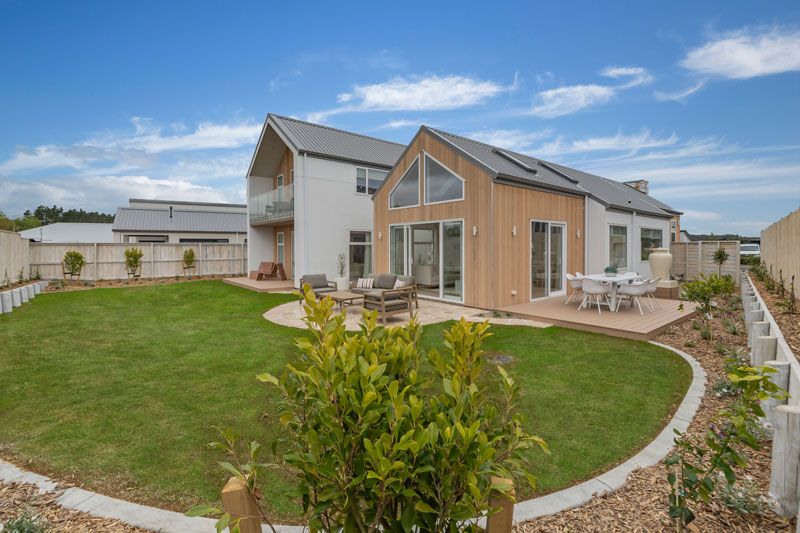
point(140, 219)
point(515, 168)
point(324, 141)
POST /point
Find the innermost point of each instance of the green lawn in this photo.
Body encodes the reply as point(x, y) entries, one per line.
point(118, 389)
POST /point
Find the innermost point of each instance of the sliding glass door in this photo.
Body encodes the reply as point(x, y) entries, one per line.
point(548, 258)
point(432, 252)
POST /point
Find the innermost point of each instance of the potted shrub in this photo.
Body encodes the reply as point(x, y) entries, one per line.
point(72, 264)
point(611, 270)
point(188, 263)
point(342, 283)
point(133, 262)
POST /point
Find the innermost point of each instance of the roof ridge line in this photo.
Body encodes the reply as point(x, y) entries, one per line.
point(335, 129)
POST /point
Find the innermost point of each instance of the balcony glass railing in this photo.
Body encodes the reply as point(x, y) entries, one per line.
point(273, 206)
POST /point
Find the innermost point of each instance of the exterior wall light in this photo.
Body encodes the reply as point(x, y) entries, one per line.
point(474, 230)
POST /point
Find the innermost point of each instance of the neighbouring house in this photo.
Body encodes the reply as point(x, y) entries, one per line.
point(70, 232)
point(180, 222)
point(686, 237)
point(309, 190)
point(489, 227)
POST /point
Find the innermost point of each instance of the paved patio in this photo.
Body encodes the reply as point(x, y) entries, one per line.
point(429, 312)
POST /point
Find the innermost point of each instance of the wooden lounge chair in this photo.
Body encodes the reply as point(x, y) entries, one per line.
point(390, 302)
point(268, 270)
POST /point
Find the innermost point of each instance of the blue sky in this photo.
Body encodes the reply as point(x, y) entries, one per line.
point(101, 101)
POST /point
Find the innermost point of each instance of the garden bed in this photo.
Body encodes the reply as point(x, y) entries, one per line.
point(78, 285)
point(642, 503)
point(788, 323)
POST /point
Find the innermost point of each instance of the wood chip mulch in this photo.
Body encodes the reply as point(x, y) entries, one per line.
point(18, 498)
point(642, 504)
point(78, 285)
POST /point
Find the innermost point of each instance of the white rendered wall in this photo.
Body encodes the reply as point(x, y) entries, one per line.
point(599, 221)
point(259, 238)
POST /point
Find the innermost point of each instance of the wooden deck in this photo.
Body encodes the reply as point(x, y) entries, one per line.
point(264, 285)
point(628, 323)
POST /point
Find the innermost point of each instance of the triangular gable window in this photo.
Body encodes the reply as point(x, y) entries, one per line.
point(406, 192)
point(441, 184)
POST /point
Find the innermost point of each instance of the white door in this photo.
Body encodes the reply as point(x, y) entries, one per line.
point(548, 258)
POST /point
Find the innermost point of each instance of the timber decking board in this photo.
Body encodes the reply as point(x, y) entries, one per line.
point(627, 323)
point(263, 285)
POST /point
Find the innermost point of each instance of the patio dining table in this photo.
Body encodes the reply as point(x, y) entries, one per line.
point(615, 280)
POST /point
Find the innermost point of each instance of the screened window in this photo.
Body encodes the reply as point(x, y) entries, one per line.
point(618, 246)
point(368, 180)
point(406, 192)
point(651, 239)
point(360, 254)
point(441, 185)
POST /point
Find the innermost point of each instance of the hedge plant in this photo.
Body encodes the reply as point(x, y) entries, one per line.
point(133, 259)
point(74, 261)
point(373, 445)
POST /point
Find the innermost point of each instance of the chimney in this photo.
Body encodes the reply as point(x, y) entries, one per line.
point(639, 185)
point(170, 211)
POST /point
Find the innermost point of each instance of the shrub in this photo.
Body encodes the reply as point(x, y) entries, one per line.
point(733, 327)
point(723, 387)
point(743, 498)
point(74, 262)
point(27, 522)
point(703, 289)
point(374, 445)
point(188, 258)
point(341, 265)
point(133, 259)
point(611, 269)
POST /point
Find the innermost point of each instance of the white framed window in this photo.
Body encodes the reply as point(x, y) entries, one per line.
point(368, 180)
point(406, 191)
point(441, 183)
point(672, 233)
point(360, 254)
point(651, 239)
point(279, 181)
point(280, 247)
point(618, 246)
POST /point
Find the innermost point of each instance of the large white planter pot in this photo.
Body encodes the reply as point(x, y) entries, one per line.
point(342, 284)
point(660, 263)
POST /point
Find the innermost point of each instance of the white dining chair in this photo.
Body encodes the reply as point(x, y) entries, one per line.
point(576, 282)
point(634, 291)
point(651, 291)
point(592, 288)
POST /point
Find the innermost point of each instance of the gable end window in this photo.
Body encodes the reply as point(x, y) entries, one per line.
point(368, 180)
point(406, 192)
point(441, 183)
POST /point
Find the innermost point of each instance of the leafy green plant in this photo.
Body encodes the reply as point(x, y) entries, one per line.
point(704, 288)
point(689, 344)
point(27, 522)
point(693, 469)
point(373, 445)
point(133, 261)
point(611, 269)
point(781, 288)
point(744, 497)
point(720, 348)
point(188, 258)
point(723, 387)
point(792, 304)
point(734, 327)
point(341, 265)
point(759, 271)
point(21, 275)
point(6, 280)
point(74, 262)
point(720, 257)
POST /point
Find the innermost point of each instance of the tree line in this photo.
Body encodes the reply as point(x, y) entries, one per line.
point(43, 215)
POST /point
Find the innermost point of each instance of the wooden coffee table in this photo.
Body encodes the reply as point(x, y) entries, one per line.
point(344, 298)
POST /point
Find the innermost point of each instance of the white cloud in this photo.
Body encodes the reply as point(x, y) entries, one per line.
point(396, 124)
point(514, 139)
point(678, 96)
point(747, 53)
point(573, 98)
point(415, 93)
point(690, 214)
point(619, 142)
point(567, 100)
point(207, 135)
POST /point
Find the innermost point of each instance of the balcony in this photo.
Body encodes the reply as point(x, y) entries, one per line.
point(273, 206)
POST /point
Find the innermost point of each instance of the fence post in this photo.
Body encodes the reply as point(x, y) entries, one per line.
point(502, 521)
point(240, 503)
point(200, 259)
point(152, 262)
point(781, 379)
point(785, 476)
point(96, 273)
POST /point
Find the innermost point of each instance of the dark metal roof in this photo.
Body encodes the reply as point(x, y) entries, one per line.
point(500, 164)
point(516, 168)
point(135, 219)
point(315, 139)
point(181, 202)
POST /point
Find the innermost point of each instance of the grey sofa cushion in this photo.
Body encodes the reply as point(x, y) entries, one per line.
point(391, 305)
point(384, 281)
point(323, 290)
point(407, 280)
point(356, 290)
point(316, 280)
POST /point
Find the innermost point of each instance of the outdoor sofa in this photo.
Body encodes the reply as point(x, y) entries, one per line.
point(386, 282)
point(319, 284)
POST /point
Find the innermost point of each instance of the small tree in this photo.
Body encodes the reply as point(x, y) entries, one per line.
point(73, 263)
point(703, 289)
point(188, 262)
point(720, 256)
point(133, 262)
